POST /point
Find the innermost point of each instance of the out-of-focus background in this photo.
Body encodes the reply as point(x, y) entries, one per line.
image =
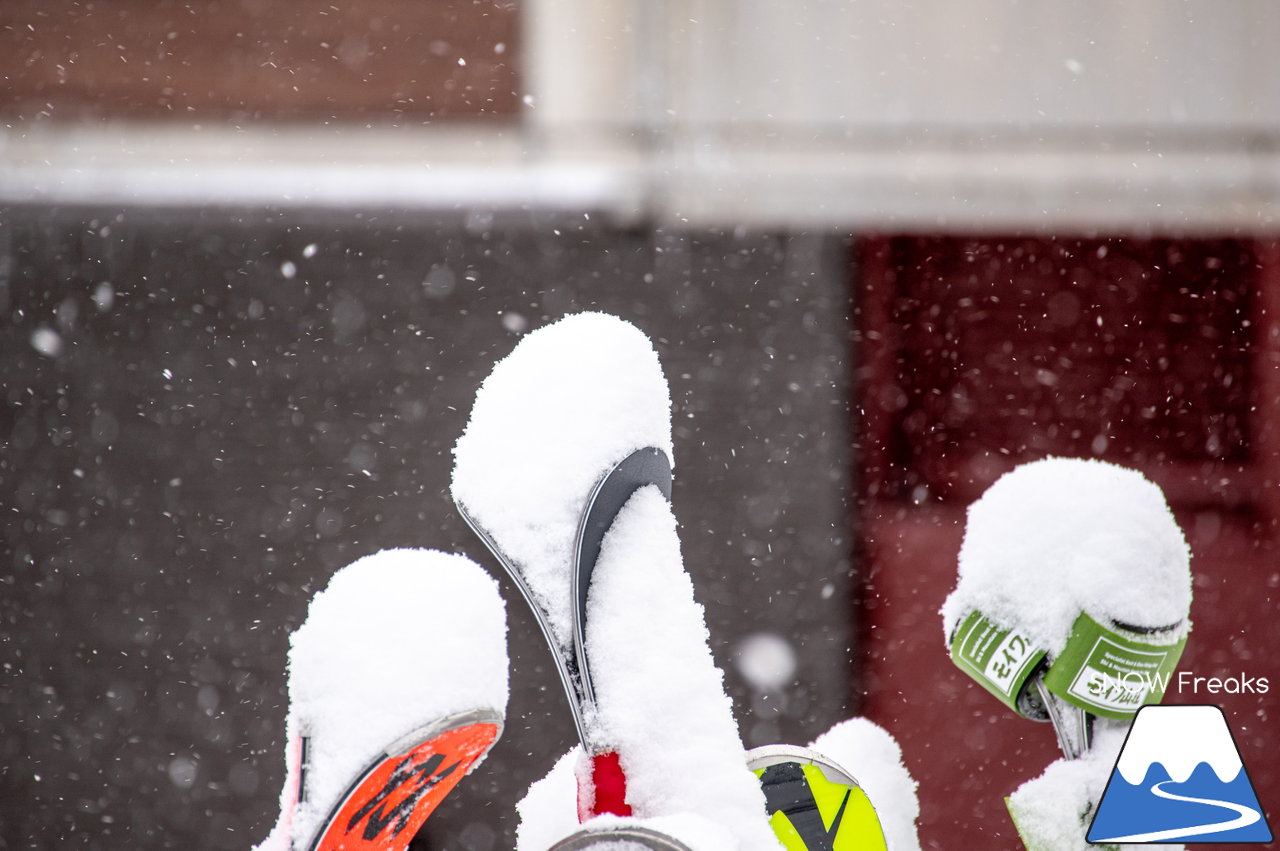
point(255, 257)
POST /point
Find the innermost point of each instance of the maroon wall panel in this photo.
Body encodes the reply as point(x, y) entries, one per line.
point(978, 354)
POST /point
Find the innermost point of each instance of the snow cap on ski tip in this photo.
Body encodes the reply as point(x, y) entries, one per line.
point(1061, 536)
point(873, 756)
point(368, 666)
point(572, 400)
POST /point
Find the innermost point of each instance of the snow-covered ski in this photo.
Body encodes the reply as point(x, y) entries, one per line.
point(564, 471)
point(646, 466)
point(381, 725)
point(1073, 595)
point(1071, 606)
point(563, 432)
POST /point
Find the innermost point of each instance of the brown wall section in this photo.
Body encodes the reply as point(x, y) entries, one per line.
point(250, 59)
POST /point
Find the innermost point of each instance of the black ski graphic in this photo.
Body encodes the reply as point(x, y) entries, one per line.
point(374, 807)
point(786, 790)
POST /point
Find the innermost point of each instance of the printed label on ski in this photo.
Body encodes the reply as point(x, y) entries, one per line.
point(1000, 659)
point(1111, 674)
point(389, 804)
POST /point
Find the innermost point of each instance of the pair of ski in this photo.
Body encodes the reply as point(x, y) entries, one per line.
point(595, 410)
point(563, 434)
point(647, 466)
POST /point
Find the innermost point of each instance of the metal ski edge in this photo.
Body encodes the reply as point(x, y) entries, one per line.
point(570, 679)
point(410, 740)
point(764, 756)
point(1073, 726)
point(646, 466)
point(642, 837)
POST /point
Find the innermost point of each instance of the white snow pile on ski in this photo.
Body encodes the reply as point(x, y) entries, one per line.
point(548, 813)
point(1055, 809)
point(660, 697)
point(660, 701)
point(573, 400)
point(549, 810)
point(1060, 536)
point(397, 640)
point(872, 756)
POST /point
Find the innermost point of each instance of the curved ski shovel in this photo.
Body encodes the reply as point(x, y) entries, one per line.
point(384, 808)
point(814, 804)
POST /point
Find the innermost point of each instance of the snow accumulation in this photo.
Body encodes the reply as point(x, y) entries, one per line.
point(660, 698)
point(549, 810)
point(1054, 810)
point(869, 753)
point(572, 400)
point(1058, 537)
point(872, 757)
point(548, 813)
point(361, 675)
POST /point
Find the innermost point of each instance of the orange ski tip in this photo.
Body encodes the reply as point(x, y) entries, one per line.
point(387, 806)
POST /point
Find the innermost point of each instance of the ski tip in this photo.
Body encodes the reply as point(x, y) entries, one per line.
point(813, 803)
point(362, 671)
point(387, 805)
point(766, 756)
point(364, 634)
point(572, 398)
point(875, 758)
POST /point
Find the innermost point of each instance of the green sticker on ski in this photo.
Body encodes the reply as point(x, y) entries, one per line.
point(1110, 673)
point(1000, 659)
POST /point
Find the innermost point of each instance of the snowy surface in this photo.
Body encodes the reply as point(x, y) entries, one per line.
point(549, 810)
point(1202, 736)
point(660, 698)
point(397, 640)
point(1060, 536)
point(548, 813)
point(572, 400)
point(873, 758)
point(660, 701)
point(1054, 810)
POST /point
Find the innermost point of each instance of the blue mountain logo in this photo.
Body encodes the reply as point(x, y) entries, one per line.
point(1179, 778)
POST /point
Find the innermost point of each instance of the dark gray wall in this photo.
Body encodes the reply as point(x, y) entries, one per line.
point(215, 437)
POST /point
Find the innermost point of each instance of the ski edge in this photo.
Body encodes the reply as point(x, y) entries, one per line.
point(648, 465)
point(570, 674)
point(763, 756)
